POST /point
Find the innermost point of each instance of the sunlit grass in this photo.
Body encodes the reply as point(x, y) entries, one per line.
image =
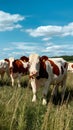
point(17, 112)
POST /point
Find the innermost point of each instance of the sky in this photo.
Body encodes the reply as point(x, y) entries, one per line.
point(36, 26)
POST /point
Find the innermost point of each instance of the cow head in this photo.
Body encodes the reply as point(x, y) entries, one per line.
point(34, 65)
point(9, 61)
point(3, 64)
point(25, 60)
point(38, 66)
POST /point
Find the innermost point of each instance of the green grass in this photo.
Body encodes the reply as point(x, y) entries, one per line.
point(17, 112)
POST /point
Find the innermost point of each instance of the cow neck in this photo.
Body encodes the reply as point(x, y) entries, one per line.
point(42, 72)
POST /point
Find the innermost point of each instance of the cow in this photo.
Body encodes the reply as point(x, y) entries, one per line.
point(47, 71)
point(3, 68)
point(70, 67)
point(17, 68)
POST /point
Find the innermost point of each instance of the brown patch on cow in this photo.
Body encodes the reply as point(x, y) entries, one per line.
point(55, 67)
point(72, 65)
point(18, 67)
point(62, 70)
point(24, 59)
point(42, 72)
point(65, 65)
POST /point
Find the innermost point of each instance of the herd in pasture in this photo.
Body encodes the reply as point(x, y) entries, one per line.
point(40, 69)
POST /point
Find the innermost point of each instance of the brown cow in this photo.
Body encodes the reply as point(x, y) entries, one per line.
point(18, 68)
point(48, 71)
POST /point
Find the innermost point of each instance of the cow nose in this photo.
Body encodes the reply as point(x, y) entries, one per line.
point(34, 73)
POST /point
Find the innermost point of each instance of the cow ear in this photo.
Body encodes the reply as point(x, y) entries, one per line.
point(42, 59)
point(25, 60)
point(6, 60)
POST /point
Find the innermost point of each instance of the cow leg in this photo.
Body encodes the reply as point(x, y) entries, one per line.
point(33, 85)
point(8, 75)
point(45, 92)
point(12, 80)
point(63, 85)
point(2, 75)
point(54, 91)
point(18, 81)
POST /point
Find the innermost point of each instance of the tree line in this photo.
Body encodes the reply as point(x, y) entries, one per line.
point(68, 58)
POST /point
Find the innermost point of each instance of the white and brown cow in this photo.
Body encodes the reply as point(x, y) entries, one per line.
point(47, 71)
point(3, 68)
point(17, 68)
point(70, 67)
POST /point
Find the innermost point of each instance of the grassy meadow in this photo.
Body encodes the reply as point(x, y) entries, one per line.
point(17, 112)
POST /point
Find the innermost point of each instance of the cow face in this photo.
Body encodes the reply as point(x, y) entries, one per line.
point(3, 64)
point(25, 62)
point(34, 65)
point(9, 61)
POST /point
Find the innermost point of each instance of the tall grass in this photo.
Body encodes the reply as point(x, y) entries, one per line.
point(17, 112)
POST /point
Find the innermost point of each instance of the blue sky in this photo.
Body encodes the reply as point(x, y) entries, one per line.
point(36, 26)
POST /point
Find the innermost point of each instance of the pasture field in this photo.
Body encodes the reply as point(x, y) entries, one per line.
point(17, 112)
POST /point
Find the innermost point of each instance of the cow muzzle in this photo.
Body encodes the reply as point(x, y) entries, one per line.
point(34, 74)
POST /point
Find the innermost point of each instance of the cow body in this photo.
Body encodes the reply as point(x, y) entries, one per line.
point(18, 68)
point(70, 67)
point(47, 71)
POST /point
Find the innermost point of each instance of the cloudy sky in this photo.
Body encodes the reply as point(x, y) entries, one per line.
point(36, 26)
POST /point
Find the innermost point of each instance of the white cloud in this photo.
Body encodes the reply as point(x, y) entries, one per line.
point(46, 38)
point(48, 48)
point(68, 30)
point(18, 49)
point(7, 49)
point(52, 49)
point(51, 30)
point(44, 31)
point(9, 21)
point(24, 46)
